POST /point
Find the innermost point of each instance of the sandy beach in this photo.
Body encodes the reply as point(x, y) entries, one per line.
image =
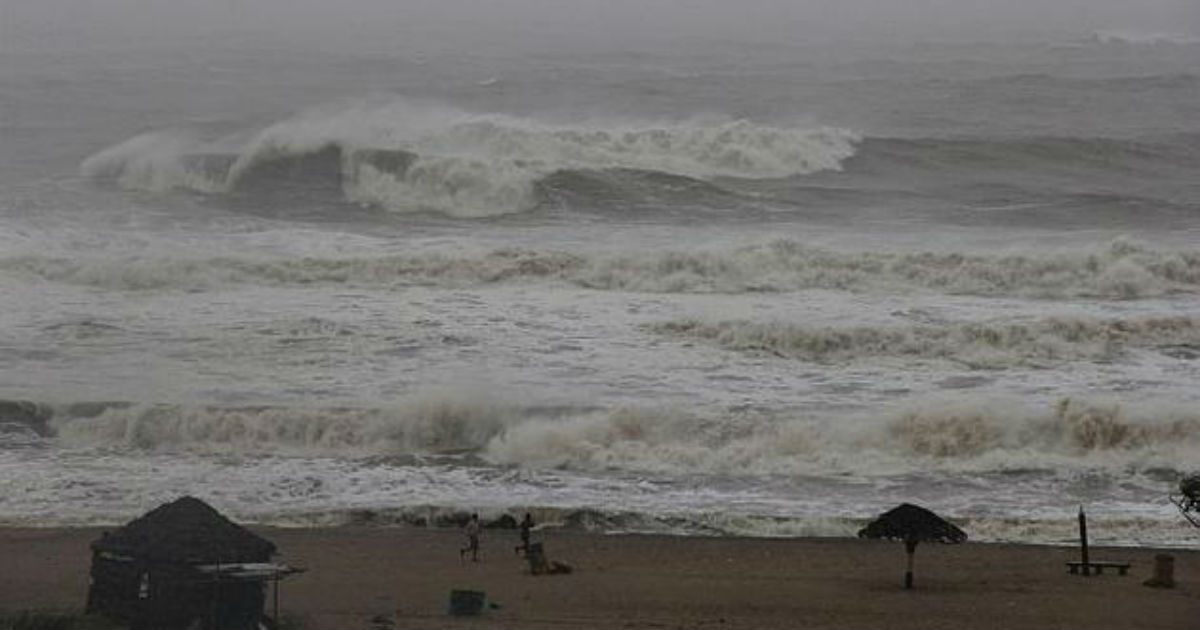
point(362, 577)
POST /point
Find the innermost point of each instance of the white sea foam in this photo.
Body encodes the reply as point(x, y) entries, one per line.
point(426, 459)
point(105, 488)
point(154, 161)
point(468, 164)
point(1118, 270)
point(959, 435)
point(427, 424)
point(938, 434)
point(1043, 342)
point(1144, 38)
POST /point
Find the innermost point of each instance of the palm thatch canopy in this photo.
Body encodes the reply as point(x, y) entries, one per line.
point(187, 531)
point(1190, 487)
point(1188, 500)
point(912, 523)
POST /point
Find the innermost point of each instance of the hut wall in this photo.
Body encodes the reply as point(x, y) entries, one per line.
point(240, 604)
point(176, 598)
point(179, 596)
point(114, 587)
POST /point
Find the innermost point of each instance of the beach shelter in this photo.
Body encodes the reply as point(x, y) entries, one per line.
point(912, 524)
point(182, 565)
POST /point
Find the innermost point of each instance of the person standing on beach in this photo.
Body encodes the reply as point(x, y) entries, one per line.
point(472, 530)
point(526, 529)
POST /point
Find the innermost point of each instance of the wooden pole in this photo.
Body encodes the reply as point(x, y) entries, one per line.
point(1083, 543)
point(911, 547)
point(216, 594)
point(275, 618)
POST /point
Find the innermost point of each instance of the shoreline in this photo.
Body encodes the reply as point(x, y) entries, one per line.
point(1167, 531)
point(363, 576)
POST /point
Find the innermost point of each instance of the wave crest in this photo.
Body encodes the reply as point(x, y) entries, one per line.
point(945, 434)
point(426, 425)
point(1143, 38)
point(407, 157)
point(978, 345)
point(953, 435)
point(1075, 430)
point(1108, 427)
point(1119, 270)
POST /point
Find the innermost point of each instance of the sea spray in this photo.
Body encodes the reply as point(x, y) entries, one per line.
point(1116, 270)
point(986, 345)
point(456, 162)
point(942, 433)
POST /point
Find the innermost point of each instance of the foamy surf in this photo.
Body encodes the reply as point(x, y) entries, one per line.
point(710, 313)
point(947, 434)
point(1045, 342)
point(1002, 474)
point(1121, 269)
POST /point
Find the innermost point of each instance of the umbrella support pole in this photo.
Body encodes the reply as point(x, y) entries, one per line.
point(912, 524)
point(911, 547)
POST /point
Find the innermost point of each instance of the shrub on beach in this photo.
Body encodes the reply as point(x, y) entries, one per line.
point(54, 620)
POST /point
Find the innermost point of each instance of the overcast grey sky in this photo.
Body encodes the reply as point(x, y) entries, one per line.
point(133, 22)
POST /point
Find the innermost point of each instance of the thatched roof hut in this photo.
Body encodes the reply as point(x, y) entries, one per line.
point(182, 565)
point(186, 530)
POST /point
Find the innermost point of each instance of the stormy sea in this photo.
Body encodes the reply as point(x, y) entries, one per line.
point(710, 288)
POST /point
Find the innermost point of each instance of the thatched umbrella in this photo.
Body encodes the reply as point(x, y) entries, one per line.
point(1188, 500)
point(912, 524)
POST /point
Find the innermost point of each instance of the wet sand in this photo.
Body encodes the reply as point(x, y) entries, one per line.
point(402, 577)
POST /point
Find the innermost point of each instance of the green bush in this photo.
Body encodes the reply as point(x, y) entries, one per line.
point(54, 620)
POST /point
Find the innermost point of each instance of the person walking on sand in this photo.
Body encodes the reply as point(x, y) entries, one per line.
point(526, 529)
point(472, 530)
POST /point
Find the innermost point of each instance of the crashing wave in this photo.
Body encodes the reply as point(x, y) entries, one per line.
point(429, 425)
point(409, 158)
point(976, 344)
point(1119, 270)
point(1042, 155)
point(949, 434)
point(1144, 38)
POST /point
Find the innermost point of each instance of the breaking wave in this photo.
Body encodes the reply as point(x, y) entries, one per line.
point(1063, 530)
point(1144, 38)
point(949, 434)
point(956, 435)
point(1041, 343)
point(1119, 270)
point(407, 157)
point(1038, 155)
point(1054, 529)
point(425, 425)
